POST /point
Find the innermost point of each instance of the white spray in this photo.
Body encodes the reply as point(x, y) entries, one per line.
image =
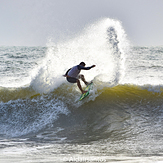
point(102, 43)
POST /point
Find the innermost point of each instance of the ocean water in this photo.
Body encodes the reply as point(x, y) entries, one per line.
point(43, 121)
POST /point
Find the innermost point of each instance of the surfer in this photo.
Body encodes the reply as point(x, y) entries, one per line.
point(72, 75)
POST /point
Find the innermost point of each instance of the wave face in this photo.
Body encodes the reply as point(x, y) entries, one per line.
point(123, 113)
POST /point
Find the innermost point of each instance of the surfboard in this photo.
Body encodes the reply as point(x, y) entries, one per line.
point(88, 88)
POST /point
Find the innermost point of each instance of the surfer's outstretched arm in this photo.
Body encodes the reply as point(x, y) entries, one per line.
point(85, 68)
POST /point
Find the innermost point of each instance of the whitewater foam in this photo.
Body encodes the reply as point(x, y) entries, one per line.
point(21, 117)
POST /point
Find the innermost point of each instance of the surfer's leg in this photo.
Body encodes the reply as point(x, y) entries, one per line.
point(83, 79)
point(79, 85)
point(74, 80)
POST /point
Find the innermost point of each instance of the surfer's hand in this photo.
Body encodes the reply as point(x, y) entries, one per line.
point(93, 66)
point(65, 75)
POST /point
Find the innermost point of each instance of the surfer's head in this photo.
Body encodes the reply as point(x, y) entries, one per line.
point(82, 64)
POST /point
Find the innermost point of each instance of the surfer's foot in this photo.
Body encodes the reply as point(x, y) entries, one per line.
point(84, 92)
point(87, 83)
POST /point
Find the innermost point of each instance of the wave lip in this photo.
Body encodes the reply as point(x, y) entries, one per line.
point(66, 91)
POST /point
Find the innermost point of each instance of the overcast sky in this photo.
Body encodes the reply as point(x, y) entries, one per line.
point(32, 22)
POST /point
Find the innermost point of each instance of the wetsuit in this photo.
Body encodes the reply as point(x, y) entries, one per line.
point(72, 73)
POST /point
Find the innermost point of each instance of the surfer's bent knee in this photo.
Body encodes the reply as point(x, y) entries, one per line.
point(81, 76)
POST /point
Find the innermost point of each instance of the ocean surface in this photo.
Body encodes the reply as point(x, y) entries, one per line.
point(43, 121)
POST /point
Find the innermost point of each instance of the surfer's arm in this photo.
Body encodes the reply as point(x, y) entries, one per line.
point(85, 68)
point(67, 72)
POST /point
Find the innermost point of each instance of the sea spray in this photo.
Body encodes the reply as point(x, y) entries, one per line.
point(102, 43)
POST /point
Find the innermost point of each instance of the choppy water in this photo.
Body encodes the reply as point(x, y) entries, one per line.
point(41, 119)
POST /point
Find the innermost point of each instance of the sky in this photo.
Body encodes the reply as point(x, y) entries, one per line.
point(33, 22)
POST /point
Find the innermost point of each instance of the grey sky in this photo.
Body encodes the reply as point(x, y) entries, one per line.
point(32, 22)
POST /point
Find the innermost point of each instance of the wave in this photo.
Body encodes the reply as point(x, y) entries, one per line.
point(7, 94)
point(48, 101)
point(71, 91)
point(28, 112)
